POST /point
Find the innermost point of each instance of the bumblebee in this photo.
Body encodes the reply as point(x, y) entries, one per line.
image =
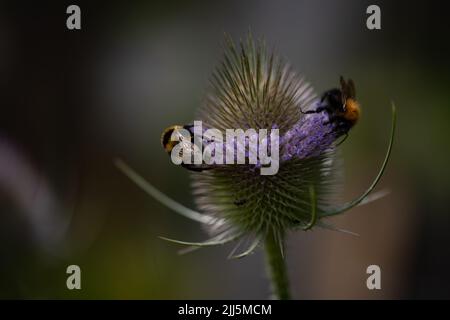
point(341, 106)
point(166, 136)
point(168, 144)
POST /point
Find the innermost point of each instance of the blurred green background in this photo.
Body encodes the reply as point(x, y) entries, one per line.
point(73, 101)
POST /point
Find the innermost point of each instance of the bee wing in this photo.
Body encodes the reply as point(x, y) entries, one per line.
point(344, 90)
point(351, 89)
point(347, 89)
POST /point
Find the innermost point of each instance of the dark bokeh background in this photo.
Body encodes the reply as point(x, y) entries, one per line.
point(72, 101)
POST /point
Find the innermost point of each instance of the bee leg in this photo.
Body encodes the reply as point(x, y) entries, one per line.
point(318, 110)
point(308, 112)
point(313, 220)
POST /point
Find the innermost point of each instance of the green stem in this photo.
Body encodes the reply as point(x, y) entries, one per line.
point(276, 266)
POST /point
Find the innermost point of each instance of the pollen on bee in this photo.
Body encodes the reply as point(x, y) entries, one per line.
point(352, 110)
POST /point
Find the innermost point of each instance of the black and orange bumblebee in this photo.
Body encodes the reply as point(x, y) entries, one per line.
point(341, 106)
point(168, 144)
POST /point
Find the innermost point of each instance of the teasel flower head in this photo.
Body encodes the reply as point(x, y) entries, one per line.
point(252, 88)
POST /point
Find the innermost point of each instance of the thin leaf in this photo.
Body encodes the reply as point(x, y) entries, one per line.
point(374, 197)
point(313, 220)
point(329, 226)
point(250, 250)
point(162, 198)
point(360, 199)
point(208, 243)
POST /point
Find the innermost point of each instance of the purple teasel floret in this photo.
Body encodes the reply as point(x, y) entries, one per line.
point(312, 135)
